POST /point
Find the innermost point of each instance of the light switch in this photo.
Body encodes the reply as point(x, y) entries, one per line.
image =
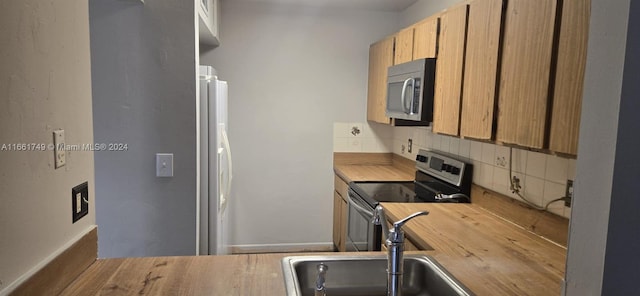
point(164, 164)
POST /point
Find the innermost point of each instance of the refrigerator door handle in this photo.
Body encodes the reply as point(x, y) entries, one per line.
point(227, 148)
point(222, 195)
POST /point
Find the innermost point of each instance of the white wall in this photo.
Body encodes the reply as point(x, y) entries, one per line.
point(362, 137)
point(292, 72)
point(422, 9)
point(597, 151)
point(144, 94)
point(45, 84)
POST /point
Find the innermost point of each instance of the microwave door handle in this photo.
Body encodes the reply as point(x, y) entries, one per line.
point(402, 96)
point(413, 96)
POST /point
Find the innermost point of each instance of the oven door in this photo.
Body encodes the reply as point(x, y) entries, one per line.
point(362, 235)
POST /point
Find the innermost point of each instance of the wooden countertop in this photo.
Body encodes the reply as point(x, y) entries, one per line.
point(186, 275)
point(373, 167)
point(487, 254)
point(351, 172)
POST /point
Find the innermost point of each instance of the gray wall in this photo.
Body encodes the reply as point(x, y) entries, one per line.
point(292, 72)
point(144, 90)
point(602, 141)
point(621, 272)
point(45, 84)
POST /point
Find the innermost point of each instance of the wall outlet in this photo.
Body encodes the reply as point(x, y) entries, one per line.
point(58, 148)
point(568, 193)
point(410, 145)
point(79, 201)
point(515, 185)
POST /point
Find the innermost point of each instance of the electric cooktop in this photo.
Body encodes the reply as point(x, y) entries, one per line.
point(439, 178)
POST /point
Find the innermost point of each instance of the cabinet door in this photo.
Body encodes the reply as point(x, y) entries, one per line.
point(425, 38)
point(380, 58)
point(525, 72)
point(404, 46)
point(572, 56)
point(449, 67)
point(481, 69)
point(337, 220)
point(344, 210)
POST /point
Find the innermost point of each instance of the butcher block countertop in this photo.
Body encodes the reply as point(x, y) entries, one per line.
point(230, 275)
point(185, 275)
point(373, 167)
point(487, 254)
point(371, 173)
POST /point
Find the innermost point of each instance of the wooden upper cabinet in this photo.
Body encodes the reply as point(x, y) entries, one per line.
point(425, 38)
point(380, 58)
point(572, 55)
point(404, 46)
point(525, 72)
point(411, 43)
point(449, 67)
point(481, 69)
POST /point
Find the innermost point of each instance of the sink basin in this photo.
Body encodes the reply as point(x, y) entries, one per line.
point(367, 275)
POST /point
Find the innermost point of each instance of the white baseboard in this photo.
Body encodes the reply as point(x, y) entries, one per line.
point(281, 248)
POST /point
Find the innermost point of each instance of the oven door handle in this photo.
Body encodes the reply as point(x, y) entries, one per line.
point(359, 207)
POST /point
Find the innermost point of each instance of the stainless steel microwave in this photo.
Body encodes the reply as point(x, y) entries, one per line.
point(410, 88)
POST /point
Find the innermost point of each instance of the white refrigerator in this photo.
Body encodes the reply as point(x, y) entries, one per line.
point(214, 165)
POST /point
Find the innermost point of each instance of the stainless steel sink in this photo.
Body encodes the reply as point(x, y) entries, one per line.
point(367, 275)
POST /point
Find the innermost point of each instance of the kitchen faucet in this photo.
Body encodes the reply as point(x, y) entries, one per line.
point(320, 288)
point(394, 240)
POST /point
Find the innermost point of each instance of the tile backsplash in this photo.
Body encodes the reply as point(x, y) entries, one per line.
point(362, 137)
point(542, 177)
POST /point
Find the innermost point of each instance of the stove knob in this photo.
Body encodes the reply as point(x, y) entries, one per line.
point(421, 158)
point(449, 168)
point(455, 171)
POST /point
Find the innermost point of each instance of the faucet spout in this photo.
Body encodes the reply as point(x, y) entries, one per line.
point(379, 218)
point(322, 272)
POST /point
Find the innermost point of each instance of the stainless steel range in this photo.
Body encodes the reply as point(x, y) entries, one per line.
point(440, 177)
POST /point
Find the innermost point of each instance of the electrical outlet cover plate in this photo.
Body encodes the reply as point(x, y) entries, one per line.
point(58, 148)
point(569, 193)
point(79, 201)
